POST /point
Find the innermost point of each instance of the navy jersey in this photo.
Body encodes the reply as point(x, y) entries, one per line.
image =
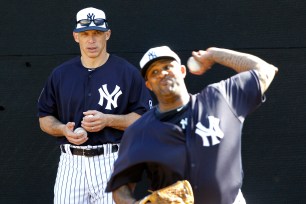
point(114, 88)
point(204, 147)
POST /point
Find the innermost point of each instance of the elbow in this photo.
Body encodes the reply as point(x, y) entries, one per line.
point(41, 124)
point(266, 75)
point(274, 68)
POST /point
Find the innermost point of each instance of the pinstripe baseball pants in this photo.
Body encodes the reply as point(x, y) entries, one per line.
point(81, 179)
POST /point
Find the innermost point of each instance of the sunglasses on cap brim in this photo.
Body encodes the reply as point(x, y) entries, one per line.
point(87, 22)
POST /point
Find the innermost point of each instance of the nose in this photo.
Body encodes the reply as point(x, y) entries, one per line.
point(91, 38)
point(163, 73)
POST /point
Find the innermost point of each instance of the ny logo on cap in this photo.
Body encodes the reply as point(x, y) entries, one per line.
point(152, 55)
point(91, 16)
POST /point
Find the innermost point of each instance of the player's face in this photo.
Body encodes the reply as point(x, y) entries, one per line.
point(165, 77)
point(92, 42)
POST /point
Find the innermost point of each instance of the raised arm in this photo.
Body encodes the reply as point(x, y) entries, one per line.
point(237, 61)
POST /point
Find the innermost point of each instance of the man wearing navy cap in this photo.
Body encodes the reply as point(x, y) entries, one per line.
point(87, 103)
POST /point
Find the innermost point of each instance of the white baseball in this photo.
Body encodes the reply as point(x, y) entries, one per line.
point(89, 116)
point(81, 130)
point(193, 64)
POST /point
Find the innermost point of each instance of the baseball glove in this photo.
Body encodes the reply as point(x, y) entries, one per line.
point(177, 193)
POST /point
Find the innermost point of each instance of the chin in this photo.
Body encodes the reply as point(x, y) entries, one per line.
point(92, 55)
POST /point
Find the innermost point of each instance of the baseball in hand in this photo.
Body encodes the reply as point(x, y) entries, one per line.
point(193, 64)
point(81, 130)
point(88, 116)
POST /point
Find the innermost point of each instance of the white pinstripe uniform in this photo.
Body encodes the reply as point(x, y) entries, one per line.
point(91, 180)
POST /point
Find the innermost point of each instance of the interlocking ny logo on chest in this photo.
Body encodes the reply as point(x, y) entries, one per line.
point(213, 132)
point(111, 98)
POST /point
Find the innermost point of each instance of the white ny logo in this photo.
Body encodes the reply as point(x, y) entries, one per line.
point(213, 131)
point(184, 123)
point(109, 97)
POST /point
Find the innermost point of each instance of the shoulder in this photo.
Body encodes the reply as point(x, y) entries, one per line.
point(121, 63)
point(124, 69)
point(239, 81)
point(241, 84)
point(68, 65)
point(145, 119)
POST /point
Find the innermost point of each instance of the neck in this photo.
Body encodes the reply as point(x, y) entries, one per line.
point(174, 102)
point(92, 63)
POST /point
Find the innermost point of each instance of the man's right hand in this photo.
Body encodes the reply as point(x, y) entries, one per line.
point(72, 137)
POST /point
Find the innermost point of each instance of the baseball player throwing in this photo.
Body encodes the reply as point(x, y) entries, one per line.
point(192, 137)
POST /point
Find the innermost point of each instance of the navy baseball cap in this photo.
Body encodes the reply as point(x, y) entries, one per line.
point(155, 54)
point(91, 19)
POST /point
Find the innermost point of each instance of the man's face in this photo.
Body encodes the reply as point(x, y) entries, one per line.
point(165, 77)
point(92, 42)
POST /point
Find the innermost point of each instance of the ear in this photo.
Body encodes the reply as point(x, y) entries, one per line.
point(183, 70)
point(148, 85)
point(76, 37)
point(108, 34)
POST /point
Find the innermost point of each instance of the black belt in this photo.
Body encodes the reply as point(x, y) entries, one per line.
point(89, 152)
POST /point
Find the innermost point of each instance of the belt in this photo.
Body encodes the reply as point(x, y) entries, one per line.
point(89, 152)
